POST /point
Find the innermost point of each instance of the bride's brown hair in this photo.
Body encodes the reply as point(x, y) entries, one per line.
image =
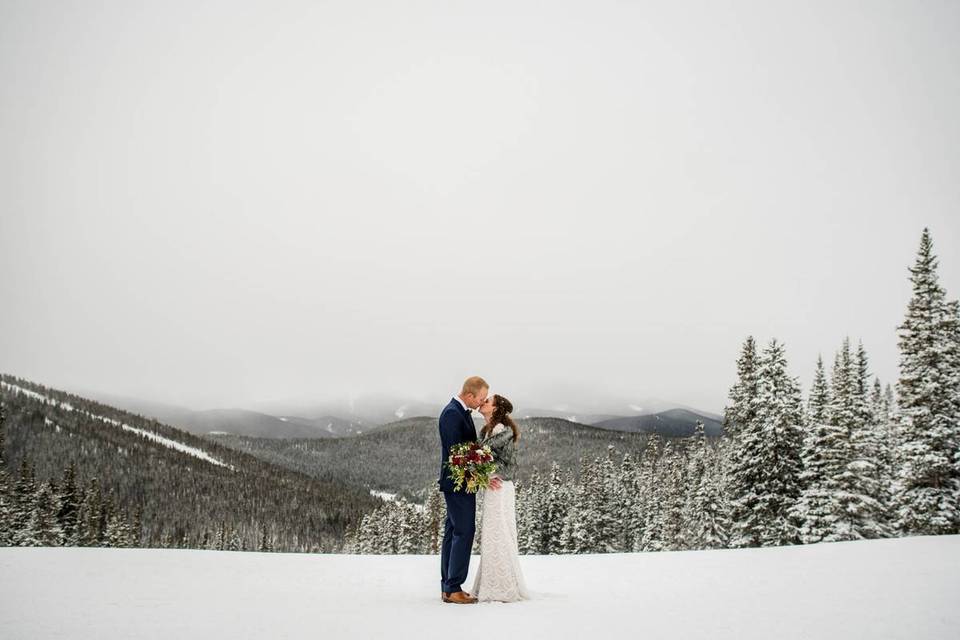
point(501, 415)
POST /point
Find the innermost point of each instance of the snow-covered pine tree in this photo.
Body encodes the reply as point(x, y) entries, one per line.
point(609, 526)
point(589, 505)
point(408, 534)
point(672, 477)
point(49, 531)
point(865, 447)
point(880, 418)
point(364, 540)
point(525, 515)
point(824, 459)
point(89, 516)
point(530, 525)
point(705, 523)
point(575, 537)
point(435, 511)
point(652, 495)
point(927, 396)
point(136, 530)
point(743, 394)
point(69, 499)
point(235, 541)
point(696, 470)
point(26, 532)
point(117, 533)
point(628, 512)
point(264, 545)
point(556, 503)
point(568, 543)
point(739, 427)
point(765, 472)
point(221, 540)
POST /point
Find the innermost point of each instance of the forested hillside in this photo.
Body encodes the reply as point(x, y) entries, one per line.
point(80, 472)
point(404, 456)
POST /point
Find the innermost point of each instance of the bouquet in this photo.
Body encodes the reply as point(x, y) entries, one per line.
point(471, 463)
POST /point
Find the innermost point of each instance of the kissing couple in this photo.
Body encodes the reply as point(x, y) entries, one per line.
point(498, 577)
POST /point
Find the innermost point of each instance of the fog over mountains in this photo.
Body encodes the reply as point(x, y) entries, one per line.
point(323, 419)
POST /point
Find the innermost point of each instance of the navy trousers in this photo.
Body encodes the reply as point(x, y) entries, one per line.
point(458, 530)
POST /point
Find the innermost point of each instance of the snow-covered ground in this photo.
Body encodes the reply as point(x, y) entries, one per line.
point(907, 588)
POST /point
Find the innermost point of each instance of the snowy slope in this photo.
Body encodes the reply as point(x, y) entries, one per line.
point(906, 588)
point(155, 437)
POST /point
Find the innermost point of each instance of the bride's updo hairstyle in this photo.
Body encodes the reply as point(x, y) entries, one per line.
point(501, 415)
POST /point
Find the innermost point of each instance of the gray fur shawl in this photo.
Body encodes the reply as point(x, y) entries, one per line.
point(504, 450)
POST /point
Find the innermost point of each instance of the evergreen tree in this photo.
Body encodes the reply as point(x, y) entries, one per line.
point(608, 498)
point(743, 394)
point(865, 442)
point(673, 494)
point(706, 517)
point(766, 466)
point(26, 531)
point(91, 532)
point(629, 512)
point(68, 515)
point(408, 527)
point(235, 541)
point(652, 494)
point(927, 395)
point(824, 459)
point(264, 545)
point(555, 505)
point(435, 511)
point(531, 535)
point(49, 531)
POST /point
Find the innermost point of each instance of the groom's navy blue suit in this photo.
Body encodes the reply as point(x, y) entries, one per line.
point(456, 426)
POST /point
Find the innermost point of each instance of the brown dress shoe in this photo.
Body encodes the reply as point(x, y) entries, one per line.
point(460, 597)
point(444, 595)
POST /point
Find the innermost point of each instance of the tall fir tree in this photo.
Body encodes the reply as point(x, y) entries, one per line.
point(651, 537)
point(26, 526)
point(928, 484)
point(865, 461)
point(766, 466)
point(705, 518)
point(824, 459)
point(743, 394)
point(69, 511)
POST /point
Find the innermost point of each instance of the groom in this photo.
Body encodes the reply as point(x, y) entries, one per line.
point(456, 426)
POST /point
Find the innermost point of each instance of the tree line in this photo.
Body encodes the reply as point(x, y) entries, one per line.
point(854, 461)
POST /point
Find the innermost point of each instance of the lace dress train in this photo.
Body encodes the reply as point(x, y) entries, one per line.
point(499, 577)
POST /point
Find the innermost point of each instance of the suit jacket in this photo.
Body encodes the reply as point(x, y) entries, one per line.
point(456, 426)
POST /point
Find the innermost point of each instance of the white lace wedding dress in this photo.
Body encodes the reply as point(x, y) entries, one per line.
point(499, 577)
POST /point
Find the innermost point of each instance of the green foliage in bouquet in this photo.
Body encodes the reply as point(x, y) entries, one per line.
point(471, 463)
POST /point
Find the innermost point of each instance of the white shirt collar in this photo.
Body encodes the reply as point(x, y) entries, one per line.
point(457, 398)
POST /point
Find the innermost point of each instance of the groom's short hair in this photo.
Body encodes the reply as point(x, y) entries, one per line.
point(474, 384)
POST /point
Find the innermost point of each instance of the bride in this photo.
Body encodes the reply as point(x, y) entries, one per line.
point(499, 576)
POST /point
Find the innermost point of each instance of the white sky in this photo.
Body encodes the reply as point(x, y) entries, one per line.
point(223, 204)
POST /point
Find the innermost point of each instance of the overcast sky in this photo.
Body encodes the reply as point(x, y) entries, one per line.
point(238, 202)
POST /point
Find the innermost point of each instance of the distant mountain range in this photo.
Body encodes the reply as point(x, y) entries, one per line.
point(339, 419)
point(675, 423)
